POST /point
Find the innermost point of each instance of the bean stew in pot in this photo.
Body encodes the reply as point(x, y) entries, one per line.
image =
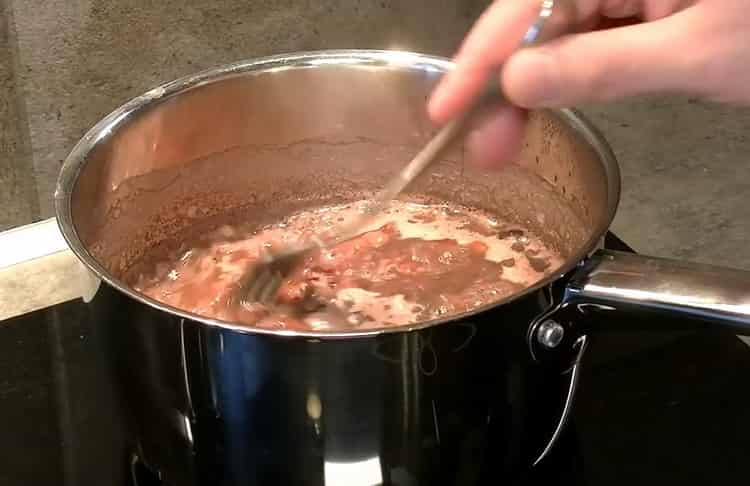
point(415, 262)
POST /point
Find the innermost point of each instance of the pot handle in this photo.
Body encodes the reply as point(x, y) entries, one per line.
point(623, 287)
point(614, 291)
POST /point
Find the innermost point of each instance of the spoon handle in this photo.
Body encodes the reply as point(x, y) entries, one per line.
point(492, 93)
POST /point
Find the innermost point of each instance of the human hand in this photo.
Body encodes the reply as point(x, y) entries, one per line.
point(697, 47)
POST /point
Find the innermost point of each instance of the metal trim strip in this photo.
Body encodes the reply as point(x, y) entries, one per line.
point(37, 269)
point(26, 243)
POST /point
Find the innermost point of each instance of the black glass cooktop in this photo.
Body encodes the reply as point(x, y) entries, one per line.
point(658, 408)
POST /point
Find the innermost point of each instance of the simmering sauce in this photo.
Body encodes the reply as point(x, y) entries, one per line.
point(413, 263)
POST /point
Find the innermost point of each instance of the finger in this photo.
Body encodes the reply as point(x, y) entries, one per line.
point(623, 9)
point(657, 9)
point(493, 38)
point(497, 138)
point(604, 65)
point(500, 28)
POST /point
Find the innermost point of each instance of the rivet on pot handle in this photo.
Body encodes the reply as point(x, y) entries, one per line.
point(550, 334)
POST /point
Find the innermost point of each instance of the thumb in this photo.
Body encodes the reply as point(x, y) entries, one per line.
point(604, 65)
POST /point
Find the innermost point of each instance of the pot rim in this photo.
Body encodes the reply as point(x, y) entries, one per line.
point(108, 125)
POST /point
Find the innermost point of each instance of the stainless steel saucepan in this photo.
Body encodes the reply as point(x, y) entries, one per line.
point(480, 396)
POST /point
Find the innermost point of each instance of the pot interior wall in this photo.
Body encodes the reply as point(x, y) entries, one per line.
point(263, 142)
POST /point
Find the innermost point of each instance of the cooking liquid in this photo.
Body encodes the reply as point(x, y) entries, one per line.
point(413, 263)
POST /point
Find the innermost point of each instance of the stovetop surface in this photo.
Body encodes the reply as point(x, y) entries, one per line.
point(653, 408)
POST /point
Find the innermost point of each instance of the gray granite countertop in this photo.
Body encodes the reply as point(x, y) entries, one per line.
point(686, 177)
